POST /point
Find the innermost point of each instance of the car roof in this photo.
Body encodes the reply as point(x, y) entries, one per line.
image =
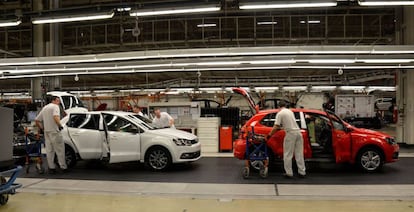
point(118, 112)
point(293, 109)
point(59, 93)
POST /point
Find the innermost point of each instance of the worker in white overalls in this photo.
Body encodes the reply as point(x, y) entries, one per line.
point(293, 142)
point(48, 120)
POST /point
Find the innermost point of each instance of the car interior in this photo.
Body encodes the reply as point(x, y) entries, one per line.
point(320, 133)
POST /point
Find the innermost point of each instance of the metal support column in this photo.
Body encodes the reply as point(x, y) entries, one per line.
point(405, 82)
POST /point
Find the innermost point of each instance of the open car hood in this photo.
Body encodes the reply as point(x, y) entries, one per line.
point(253, 107)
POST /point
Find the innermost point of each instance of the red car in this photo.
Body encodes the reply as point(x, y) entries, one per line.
point(326, 138)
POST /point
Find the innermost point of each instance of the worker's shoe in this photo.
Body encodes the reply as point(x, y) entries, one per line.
point(302, 176)
point(288, 176)
point(51, 171)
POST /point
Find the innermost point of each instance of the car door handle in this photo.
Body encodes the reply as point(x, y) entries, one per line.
point(76, 134)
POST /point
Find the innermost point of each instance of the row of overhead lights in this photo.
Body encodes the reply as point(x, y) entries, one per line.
point(203, 9)
point(173, 91)
point(179, 66)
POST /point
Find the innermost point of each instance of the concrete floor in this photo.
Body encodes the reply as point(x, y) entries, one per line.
point(38, 202)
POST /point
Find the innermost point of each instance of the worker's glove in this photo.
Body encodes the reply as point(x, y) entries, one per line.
point(268, 137)
point(60, 128)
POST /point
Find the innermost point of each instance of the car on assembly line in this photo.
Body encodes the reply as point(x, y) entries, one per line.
point(326, 138)
point(115, 137)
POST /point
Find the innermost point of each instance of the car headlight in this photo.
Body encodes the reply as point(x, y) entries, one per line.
point(184, 142)
point(391, 141)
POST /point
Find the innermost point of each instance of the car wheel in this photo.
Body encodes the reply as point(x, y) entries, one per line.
point(158, 159)
point(70, 157)
point(370, 159)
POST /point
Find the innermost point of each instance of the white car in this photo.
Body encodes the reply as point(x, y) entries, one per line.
point(121, 136)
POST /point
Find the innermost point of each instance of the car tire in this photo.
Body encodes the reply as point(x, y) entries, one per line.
point(370, 159)
point(158, 159)
point(70, 157)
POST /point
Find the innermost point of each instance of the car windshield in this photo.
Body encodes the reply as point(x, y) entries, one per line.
point(146, 122)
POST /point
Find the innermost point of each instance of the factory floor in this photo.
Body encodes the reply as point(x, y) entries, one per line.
point(62, 202)
point(214, 184)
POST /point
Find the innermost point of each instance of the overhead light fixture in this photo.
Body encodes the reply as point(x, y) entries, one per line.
point(331, 61)
point(171, 11)
point(323, 88)
point(287, 4)
point(267, 23)
point(311, 22)
point(73, 18)
point(351, 88)
point(386, 3)
point(387, 60)
point(206, 25)
point(260, 62)
point(9, 23)
point(123, 9)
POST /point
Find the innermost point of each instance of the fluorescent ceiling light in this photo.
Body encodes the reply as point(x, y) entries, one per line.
point(387, 60)
point(219, 63)
point(9, 23)
point(170, 11)
point(295, 88)
point(311, 22)
point(123, 9)
point(351, 88)
point(260, 62)
point(386, 3)
point(72, 18)
point(322, 88)
point(331, 61)
point(206, 25)
point(267, 23)
point(287, 4)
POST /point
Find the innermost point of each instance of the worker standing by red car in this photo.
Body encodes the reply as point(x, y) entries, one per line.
point(293, 142)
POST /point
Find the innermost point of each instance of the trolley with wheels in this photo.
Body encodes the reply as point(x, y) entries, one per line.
point(8, 187)
point(34, 152)
point(256, 152)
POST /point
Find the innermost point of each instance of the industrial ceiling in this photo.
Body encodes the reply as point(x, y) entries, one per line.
point(225, 30)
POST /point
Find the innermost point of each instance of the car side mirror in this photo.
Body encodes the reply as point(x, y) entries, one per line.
point(348, 130)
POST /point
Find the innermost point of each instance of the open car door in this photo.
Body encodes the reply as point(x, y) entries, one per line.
point(341, 139)
point(124, 139)
point(83, 129)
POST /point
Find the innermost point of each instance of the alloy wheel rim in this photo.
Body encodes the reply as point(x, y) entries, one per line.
point(370, 160)
point(158, 159)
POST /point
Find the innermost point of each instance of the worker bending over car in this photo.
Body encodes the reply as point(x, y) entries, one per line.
point(162, 119)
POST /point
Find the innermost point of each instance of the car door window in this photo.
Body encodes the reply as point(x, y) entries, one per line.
point(84, 121)
point(118, 124)
point(297, 118)
point(66, 102)
point(268, 120)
